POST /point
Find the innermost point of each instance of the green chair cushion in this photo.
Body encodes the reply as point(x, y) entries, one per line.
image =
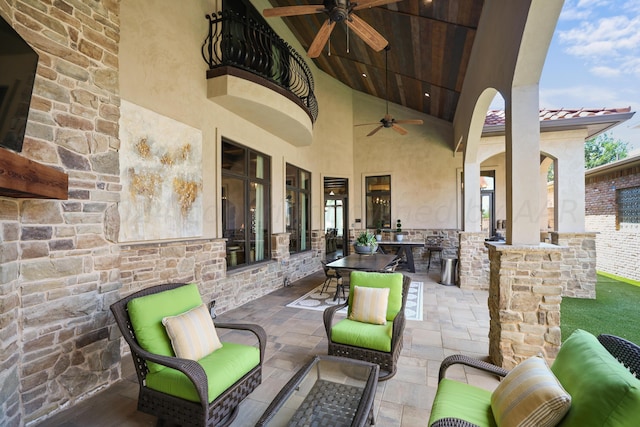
point(455, 399)
point(393, 281)
point(224, 367)
point(365, 335)
point(146, 314)
point(603, 392)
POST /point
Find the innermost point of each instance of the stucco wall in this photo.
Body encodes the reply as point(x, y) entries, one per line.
point(421, 164)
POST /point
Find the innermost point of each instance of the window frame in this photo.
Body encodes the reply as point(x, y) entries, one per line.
point(248, 252)
point(624, 197)
point(298, 191)
point(369, 216)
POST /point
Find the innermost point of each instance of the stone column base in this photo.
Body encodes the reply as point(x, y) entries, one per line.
point(579, 264)
point(473, 260)
point(525, 293)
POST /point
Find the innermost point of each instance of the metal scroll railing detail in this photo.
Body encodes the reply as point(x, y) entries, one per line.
point(241, 42)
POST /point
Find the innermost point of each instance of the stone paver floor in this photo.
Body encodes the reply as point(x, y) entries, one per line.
point(454, 321)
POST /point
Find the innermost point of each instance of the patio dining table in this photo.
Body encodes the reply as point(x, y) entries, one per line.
point(372, 262)
point(404, 247)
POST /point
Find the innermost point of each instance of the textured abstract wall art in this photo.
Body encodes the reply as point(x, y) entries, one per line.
point(161, 176)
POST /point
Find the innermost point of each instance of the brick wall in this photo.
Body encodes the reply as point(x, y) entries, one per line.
point(618, 248)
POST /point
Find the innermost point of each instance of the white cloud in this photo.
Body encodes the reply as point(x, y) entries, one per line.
point(604, 71)
point(581, 10)
point(608, 37)
point(584, 96)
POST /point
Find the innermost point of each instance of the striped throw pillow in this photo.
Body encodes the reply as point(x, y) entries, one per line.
point(370, 305)
point(192, 334)
point(530, 395)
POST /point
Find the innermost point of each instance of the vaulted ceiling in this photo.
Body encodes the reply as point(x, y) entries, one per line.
point(430, 44)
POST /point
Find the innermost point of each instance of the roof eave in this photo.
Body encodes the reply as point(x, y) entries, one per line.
point(613, 166)
point(606, 122)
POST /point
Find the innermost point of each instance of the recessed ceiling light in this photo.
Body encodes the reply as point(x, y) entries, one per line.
point(364, 75)
point(427, 94)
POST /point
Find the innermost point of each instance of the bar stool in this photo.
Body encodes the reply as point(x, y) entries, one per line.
point(434, 246)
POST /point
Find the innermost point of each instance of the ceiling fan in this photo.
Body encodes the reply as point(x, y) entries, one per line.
point(388, 121)
point(337, 11)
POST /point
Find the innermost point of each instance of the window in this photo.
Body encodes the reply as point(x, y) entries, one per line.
point(246, 180)
point(378, 201)
point(628, 201)
point(487, 200)
point(298, 208)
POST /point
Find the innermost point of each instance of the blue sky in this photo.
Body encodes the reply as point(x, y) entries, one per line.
point(594, 61)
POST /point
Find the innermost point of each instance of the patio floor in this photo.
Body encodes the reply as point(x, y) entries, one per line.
point(455, 321)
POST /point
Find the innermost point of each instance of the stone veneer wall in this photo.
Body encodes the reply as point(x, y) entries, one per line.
point(578, 265)
point(59, 271)
point(473, 261)
point(60, 264)
point(203, 261)
point(421, 255)
point(525, 294)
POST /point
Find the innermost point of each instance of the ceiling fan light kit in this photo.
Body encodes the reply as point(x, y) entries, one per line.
point(336, 11)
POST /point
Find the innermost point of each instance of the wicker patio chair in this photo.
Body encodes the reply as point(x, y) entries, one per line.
point(387, 360)
point(219, 412)
point(625, 352)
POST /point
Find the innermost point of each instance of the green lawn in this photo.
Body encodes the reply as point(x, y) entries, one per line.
point(615, 311)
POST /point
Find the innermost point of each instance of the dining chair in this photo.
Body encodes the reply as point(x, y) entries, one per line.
point(330, 275)
point(433, 246)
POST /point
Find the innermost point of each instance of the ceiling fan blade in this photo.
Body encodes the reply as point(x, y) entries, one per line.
point(375, 130)
point(364, 4)
point(367, 33)
point(321, 39)
point(367, 124)
point(400, 130)
point(410, 122)
point(293, 10)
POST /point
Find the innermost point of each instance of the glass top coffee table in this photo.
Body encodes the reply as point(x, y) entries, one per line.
point(329, 390)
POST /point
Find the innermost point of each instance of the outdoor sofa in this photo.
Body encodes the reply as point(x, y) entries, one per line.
point(598, 380)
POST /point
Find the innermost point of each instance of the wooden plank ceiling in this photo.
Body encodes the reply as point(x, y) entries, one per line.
point(430, 46)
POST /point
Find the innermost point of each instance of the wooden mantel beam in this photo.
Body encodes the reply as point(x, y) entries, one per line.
point(24, 178)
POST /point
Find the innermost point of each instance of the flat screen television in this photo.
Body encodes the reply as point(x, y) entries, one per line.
point(18, 63)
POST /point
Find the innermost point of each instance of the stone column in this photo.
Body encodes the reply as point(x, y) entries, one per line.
point(525, 293)
point(280, 247)
point(579, 264)
point(473, 261)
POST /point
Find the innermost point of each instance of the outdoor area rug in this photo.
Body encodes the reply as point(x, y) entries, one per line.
point(315, 300)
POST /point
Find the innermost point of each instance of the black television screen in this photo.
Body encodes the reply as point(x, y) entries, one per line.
point(18, 63)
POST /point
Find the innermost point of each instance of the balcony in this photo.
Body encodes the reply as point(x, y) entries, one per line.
point(258, 76)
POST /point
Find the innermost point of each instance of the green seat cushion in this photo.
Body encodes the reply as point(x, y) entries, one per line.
point(393, 281)
point(224, 367)
point(365, 335)
point(463, 401)
point(603, 392)
point(146, 314)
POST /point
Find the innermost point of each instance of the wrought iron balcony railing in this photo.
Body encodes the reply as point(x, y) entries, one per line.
point(241, 42)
